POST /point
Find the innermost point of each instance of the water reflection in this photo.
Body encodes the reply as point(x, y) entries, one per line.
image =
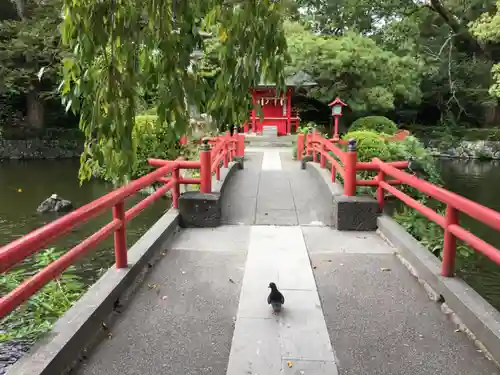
point(480, 182)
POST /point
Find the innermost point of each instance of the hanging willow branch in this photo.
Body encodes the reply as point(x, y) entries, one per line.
point(103, 80)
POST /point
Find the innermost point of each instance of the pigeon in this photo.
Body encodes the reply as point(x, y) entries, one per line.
point(275, 298)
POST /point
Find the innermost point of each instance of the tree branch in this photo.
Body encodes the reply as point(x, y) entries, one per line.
point(457, 27)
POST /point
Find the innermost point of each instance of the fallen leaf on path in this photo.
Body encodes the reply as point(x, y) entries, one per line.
point(231, 281)
point(152, 286)
point(385, 269)
point(289, 363)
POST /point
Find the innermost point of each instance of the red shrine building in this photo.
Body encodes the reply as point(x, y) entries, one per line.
point(279, 118)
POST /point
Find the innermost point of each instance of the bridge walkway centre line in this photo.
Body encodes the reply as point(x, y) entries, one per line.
point(374, 318)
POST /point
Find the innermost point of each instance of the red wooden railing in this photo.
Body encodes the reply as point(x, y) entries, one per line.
point(225, 149)
point(450, 221)
point(348, 166)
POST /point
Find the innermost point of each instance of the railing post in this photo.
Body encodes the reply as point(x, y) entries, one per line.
point(121, 260)
point(334, 173)
point(227, 148)
point(234, 144)
point(450, 242)
point(176, 191)
point(313, 140)
point(300, 146)
point(241, 145)
point(380, 190)
point(205, 167)
point(322, 157)
point(351, 158)
point(308, 140)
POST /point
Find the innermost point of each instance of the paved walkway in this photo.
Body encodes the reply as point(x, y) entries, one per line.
point(351, 307)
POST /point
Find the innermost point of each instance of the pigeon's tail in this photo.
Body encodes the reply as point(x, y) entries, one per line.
point(276, 307)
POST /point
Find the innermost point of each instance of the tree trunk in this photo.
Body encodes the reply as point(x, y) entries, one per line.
point(492, 116)
point(35, 110)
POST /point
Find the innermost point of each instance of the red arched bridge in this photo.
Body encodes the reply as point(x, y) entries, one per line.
point(361, 295)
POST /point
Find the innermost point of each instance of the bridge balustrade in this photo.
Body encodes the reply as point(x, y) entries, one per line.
point(224, 149)
point(346, 164)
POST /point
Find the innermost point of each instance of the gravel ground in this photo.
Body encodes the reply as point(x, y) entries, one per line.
point(10, 352)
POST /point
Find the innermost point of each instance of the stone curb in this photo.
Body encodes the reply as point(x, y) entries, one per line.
point(90, 320)
point(467, 309)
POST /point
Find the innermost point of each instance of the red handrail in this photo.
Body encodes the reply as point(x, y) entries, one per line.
point(18, 250)
point(347, 164)
point(450, 222)
point(455, 203)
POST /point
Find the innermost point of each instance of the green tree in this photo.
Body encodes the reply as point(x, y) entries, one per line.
point(353, 67)
point(120, 46)
point(362, 16)
point(452, 80)
point(30, 54)
point(487, 29)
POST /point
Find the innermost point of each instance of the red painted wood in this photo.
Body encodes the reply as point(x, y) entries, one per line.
point(272, 110)
point(16, 251)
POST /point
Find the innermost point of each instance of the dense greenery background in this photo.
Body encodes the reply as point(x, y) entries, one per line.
point(429, 64)
point(420, 64)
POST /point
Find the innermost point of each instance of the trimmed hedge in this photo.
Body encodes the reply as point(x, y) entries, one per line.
point(378, 124)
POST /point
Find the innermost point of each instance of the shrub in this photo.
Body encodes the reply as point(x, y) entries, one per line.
point(379, 124)
point(159, 141)
point(369, 145)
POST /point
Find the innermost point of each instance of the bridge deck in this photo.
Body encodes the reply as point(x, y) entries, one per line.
point(351, 307)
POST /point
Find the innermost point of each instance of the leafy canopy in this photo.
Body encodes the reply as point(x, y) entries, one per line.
point(487, 29)
point(121, 46)
point(353, 67)
point(27, 46)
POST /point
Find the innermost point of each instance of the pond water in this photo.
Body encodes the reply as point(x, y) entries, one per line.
point(480, 182)
point(25, 184)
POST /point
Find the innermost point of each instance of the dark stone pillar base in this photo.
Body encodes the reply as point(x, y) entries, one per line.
point(355, 213)
point(199, 210)
point(240, 160)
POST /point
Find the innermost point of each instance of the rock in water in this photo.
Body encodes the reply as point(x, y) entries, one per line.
point(55, 204)
point(275, 298)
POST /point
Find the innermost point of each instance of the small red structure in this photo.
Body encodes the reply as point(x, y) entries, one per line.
point(276, 107)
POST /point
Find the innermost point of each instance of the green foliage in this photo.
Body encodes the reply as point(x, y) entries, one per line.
point(428, 233)
point(158, 142)
point(335, 17)
point(150, 140)
point(378, 124)
point(487, 29)
point(454, 134)
point(371, 144)
point(353, 67)
point(36, 316)
point(122, 47)
point(28, 46)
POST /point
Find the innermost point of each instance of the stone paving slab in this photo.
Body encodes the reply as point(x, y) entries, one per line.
point(179, 322)
point(276, 217)
point(381, 321)
point(224, 238)
point(264, 342)
point(326, 240)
